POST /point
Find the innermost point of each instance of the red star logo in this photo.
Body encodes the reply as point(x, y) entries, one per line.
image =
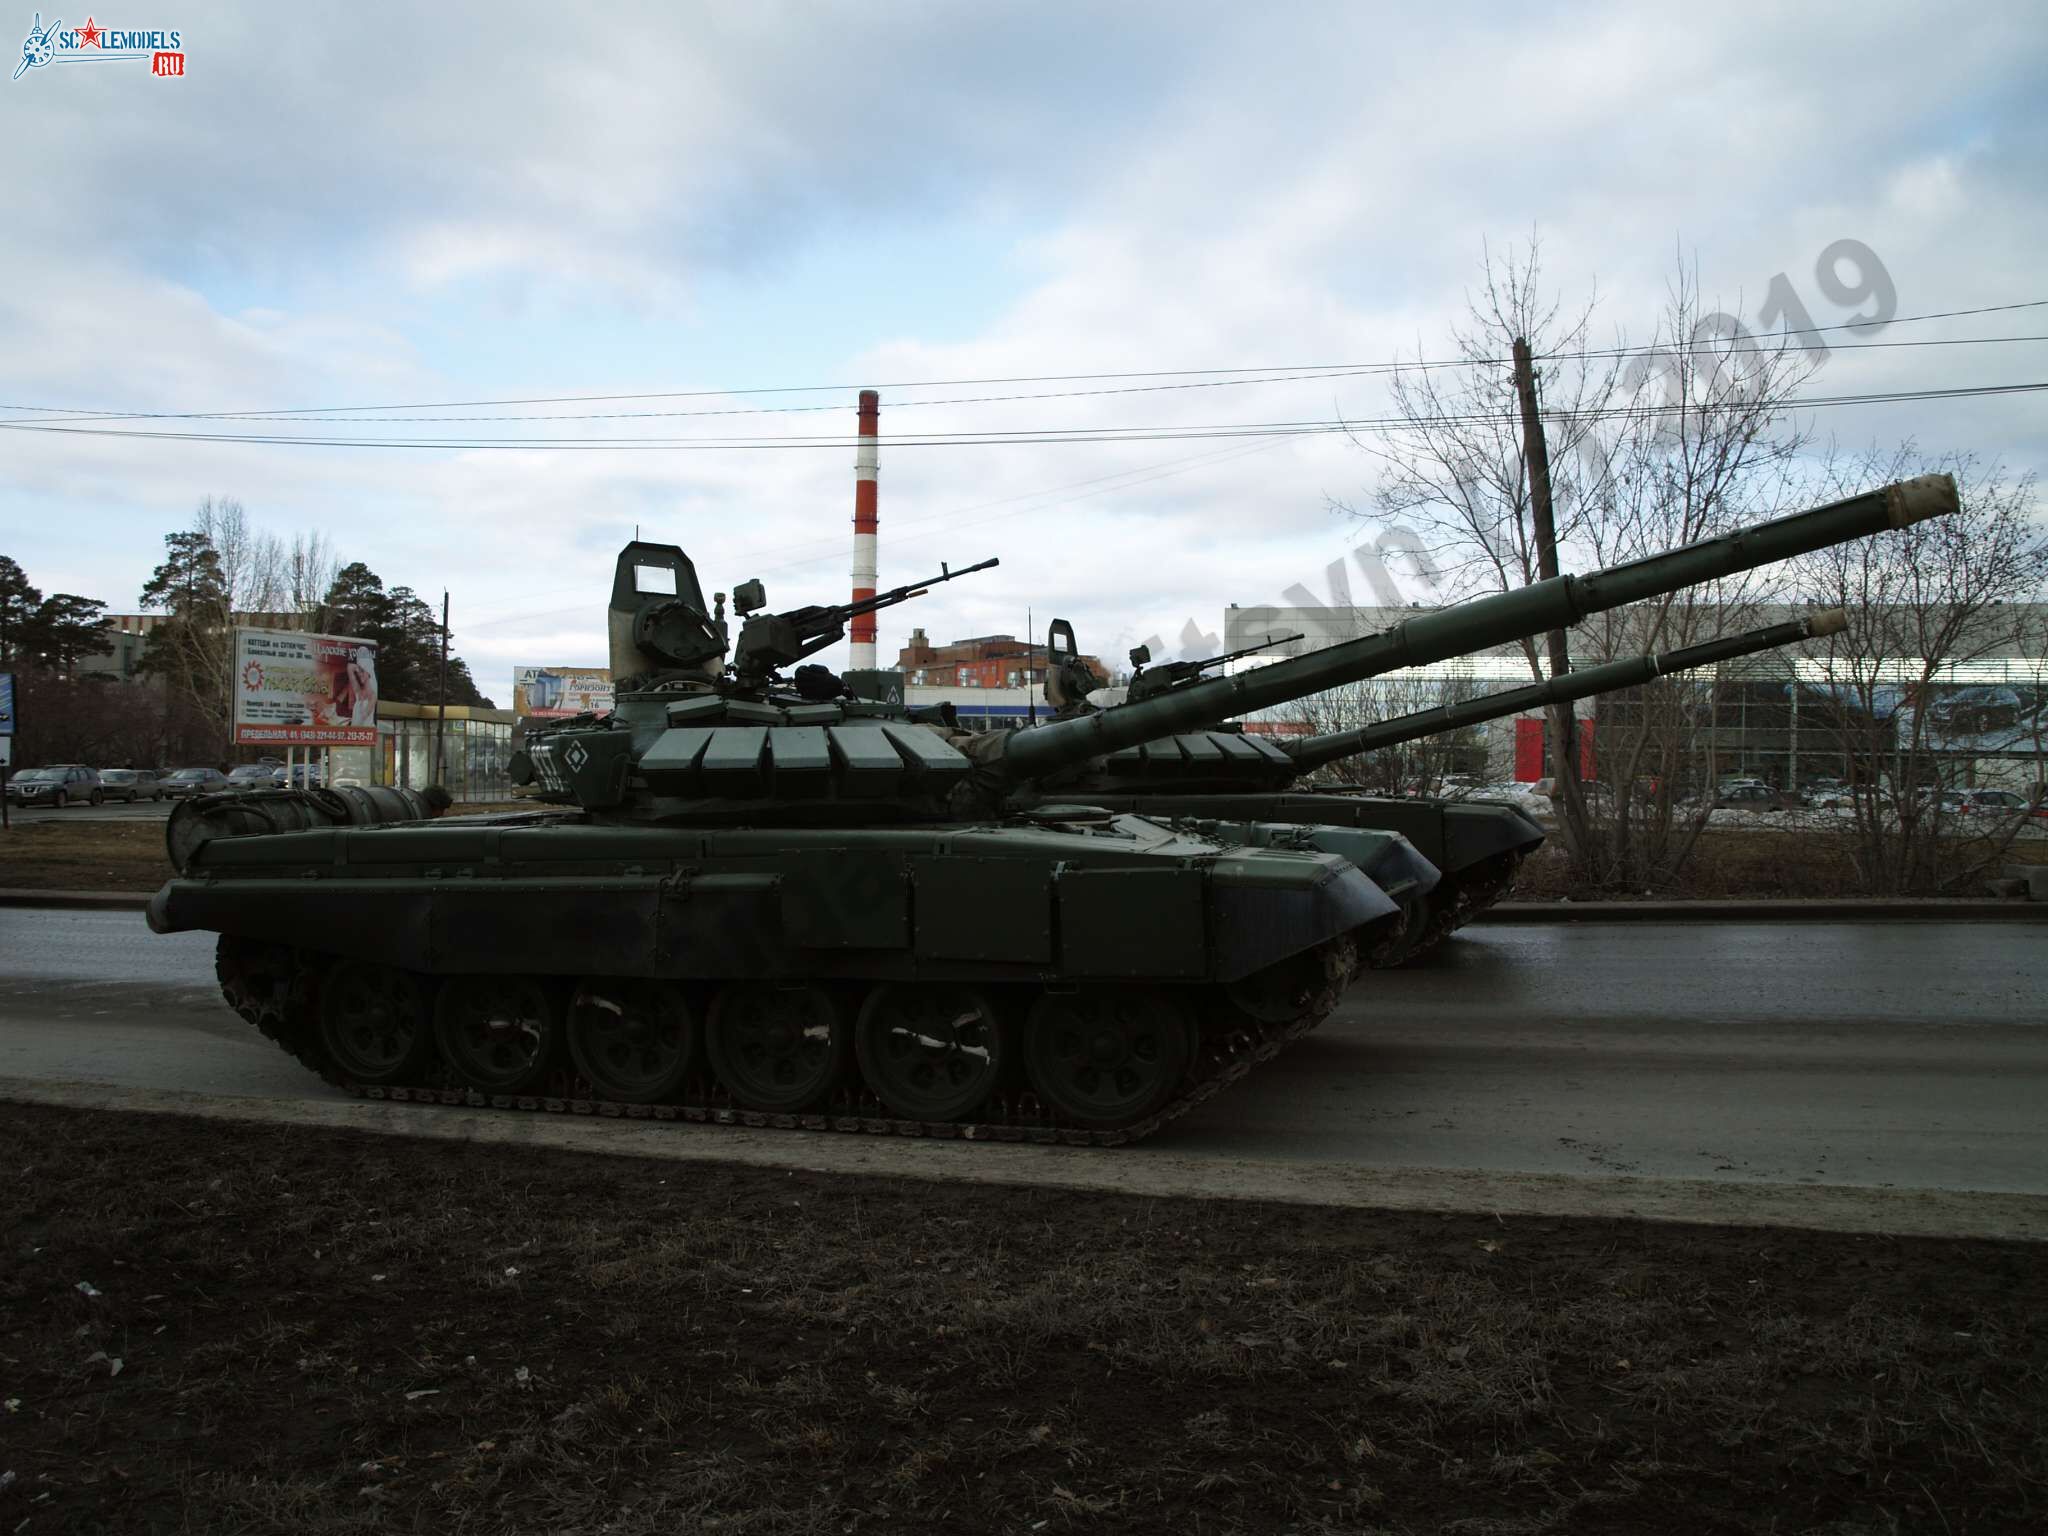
point(89, 34)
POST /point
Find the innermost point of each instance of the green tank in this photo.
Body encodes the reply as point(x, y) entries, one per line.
point(749, 896)
point(1226, 772)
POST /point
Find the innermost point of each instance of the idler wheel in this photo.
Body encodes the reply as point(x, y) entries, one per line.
point(375, 1023)
point(498, 1033)
point(1107, 1057)
point(636, 1041)
point(931, 1051)
point(779, 1049)
point(1303, 988)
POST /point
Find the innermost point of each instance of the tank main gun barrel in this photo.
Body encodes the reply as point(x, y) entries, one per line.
point(1558, 603)
point(1629, 673)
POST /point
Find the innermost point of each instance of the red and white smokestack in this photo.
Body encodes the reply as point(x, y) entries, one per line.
point(866, 463)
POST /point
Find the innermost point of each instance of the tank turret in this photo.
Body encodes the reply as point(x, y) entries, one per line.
point(1476, 847)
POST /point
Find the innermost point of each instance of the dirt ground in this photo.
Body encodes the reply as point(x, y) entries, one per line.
point(207, 1327)
point(57, 855)
point(129, 856)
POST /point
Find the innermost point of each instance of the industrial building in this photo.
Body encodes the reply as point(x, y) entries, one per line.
point(1788, 716)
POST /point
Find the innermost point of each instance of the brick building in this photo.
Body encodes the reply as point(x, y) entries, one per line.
point(992, 681)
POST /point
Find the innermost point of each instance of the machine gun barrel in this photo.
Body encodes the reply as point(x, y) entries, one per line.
point(771, 640)
point(910, 589)
point(1479, 625)
point(1146, 683)
point(1629, 673)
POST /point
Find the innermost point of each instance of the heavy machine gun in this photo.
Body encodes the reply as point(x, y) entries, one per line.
point(771, 641)
point(665, 637)
point(1175, 674)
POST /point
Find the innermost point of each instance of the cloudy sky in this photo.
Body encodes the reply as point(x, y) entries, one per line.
point(722, 206)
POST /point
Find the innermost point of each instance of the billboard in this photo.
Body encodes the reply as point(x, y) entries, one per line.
point(293, 689)
point(555, 693)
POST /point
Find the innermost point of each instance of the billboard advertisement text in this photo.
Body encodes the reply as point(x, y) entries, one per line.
point(554, 693)
point(299, 690)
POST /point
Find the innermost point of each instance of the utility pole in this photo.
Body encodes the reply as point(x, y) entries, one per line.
point(1030, 655)
point(1564, 727)
point(441, 721)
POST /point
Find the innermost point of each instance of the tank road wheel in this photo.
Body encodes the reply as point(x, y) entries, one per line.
point(636, 1041)
point(930, 1051)
point(1106, 1057)
point(375, 1023)
point(780, 1049)
point(499, 1033)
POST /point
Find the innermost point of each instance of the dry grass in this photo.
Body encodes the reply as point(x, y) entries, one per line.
point(62, 855)
point(1764, 864)
point(324, 1333)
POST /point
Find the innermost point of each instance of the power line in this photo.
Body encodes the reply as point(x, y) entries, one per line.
point(285, 418)
point(982, 438)
point(1199, 377)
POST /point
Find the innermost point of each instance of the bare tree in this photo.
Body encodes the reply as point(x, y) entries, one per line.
point(1650, 447)
point(1913, 696)
point(310, 566)
point(1415, 767)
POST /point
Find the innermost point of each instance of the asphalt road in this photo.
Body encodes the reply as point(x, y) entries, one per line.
point(1871, 1054)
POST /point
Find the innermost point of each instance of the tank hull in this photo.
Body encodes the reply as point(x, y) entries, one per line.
point(1207, 950)
point(1475, 847)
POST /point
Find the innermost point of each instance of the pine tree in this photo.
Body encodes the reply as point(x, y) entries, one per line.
point(18, 604)
point(193, 649)
point(67, 627)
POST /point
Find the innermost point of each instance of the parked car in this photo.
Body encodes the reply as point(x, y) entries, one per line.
point(254, 776)
point(195, 781)
point(1750, 795)
point(1983, 802)
point(1745, 795)
point(131, 784)
point(57, 785)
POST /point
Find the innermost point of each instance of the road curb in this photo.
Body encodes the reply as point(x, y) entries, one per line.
point(104, 901)
point(1840, 910)
point(1143, 1171)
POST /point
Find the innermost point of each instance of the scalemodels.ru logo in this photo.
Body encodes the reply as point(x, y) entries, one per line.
point(92, 43)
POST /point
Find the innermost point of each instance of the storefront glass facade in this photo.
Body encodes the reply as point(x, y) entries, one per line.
point(476, 751)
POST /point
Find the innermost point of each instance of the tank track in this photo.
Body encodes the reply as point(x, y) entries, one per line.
point(1477, 889)
point(278, 1006)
